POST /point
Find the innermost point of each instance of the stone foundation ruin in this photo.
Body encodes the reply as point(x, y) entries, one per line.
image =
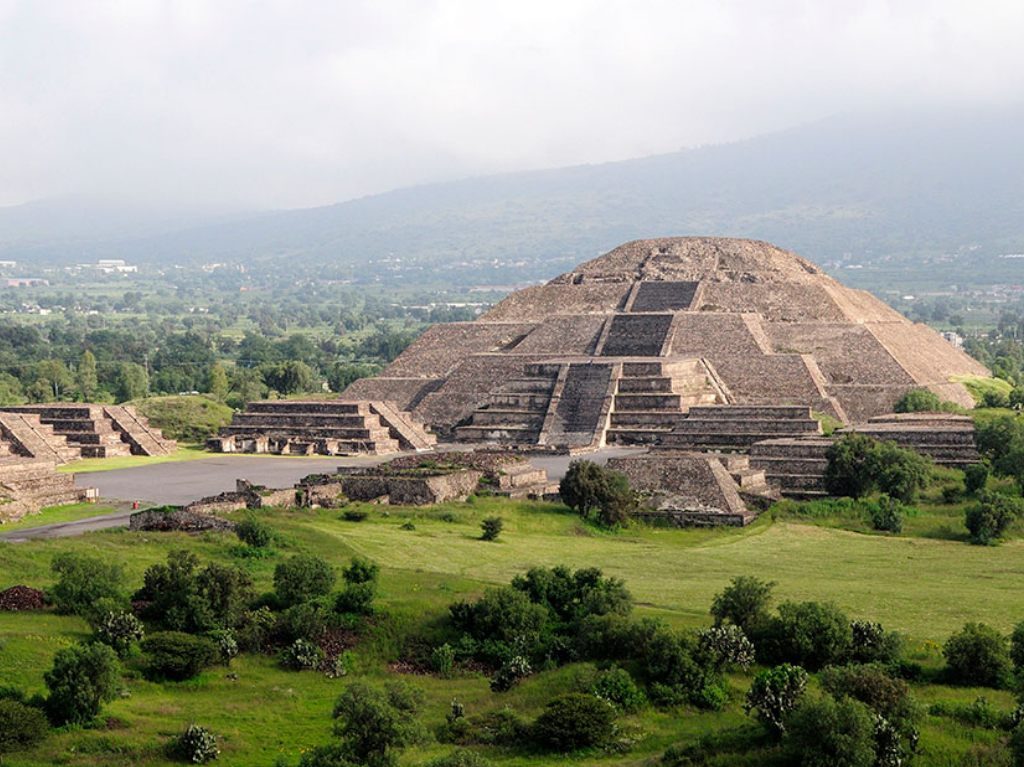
point(322, 427)
point(28, 485)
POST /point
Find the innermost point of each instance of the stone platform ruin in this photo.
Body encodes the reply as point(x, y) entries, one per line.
point(322, 427)
point(66, 431)
point(690, 343)
point(28, 485)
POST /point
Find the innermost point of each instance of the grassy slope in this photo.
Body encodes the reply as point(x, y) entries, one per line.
point(55, 514)
point(924, 586)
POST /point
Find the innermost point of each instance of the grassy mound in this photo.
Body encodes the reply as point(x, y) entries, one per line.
point(978, 386)
point(188, 418)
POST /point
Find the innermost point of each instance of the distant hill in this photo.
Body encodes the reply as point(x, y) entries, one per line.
point(901, 192)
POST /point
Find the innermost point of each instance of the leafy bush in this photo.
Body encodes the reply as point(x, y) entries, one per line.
point(491, 528)
point(177, 656)
point(774, 693)
point(977, 713)
point(571, 596)
point(918, 401)
point(616, 686)
point(871, 643)
point(196, 745)
point(373, 724)
point(870, 684)
point(858, 464)
point(21, 726)
point(1001, 441)
point(1017, 647)
point(511, 671)
point(83, 582)
point(355, 515)
point(361, 570)
point(809, 634)
point(834, 733)
point(887, 515)
point(993, 515)
point(442, 660)
point(724, 646)
point(255, 629)
point(977, 655)
point(504, 616)
point(574, 721)
point(253, 532)
point(302, 655)
point(976, 477)
point(182, 597)
point(496, 728)
point(595, 492)
point(744, 603)
point(120, 630)
point(301, 578)
point(302, 621)
point(82, 679)
point(360, 588)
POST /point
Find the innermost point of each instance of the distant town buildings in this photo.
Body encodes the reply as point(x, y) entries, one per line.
point(108, 266)
point(954, 338)
point(25, 282)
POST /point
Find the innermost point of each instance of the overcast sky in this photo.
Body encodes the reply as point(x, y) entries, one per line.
point(305, 102)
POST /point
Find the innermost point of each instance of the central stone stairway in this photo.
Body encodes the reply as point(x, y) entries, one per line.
point(24, 434)
point(652, 397)
point(516, 411)
point(94, 431)
point(734, 428)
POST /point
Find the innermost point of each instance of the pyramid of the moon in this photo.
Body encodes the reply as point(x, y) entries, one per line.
point(658, 336)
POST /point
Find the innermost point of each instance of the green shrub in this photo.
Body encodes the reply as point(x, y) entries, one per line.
point(858, 464)
point(302, 655)
point(306, 620)
point(978, 713)
point(121, 630)
point(255, 629)
point(830, 732)
point(361, 570)
point(597, 493)
point(918, 401)
point(442, 660)
point(509, 673)
point(176, 656)
point(227, 643)
point(988, 521)
point(573, 595)
point(496, 728)
point(887, 515)
point(808, 634)
point(1017, 647)
point(871, 643)
point(491, 528)
point(182, 597)
point(976, 477)
point(374, 724)
point(616, 686)
point(724, 646)
point(83, 582)
point(574, 721)
point(301, 578)
point(873, 686)
point(355, 515)
point(774, 693)
point(21, 726)
point(196, 745)
point(82, 679)
point(744, 603)
point(253, 532)
point(977, 655)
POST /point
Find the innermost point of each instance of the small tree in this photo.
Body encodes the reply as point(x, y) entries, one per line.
point(744, 602)
point(178, 656)
point(84, 581)
point(217, 382)
point(82, 679)
point(899, 472)
point(976, 477)
point(977, 655)
point(834, 733)
point(850, 467)
point(989, 519)
point(86, 375)
point(574, 721)
point(301, 578)
point(21, 726)
point(596, 492)
point(887, 515)
point(1017, 647)
point(774, 693)
point(491, 528)
point(374, 724)
point(811, 634)
point(253, 532)
point(360, 587)
point(918, 401)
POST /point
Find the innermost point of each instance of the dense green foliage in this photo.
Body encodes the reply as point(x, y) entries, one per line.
point(82, 679)
point(182, 597)
point(597, 493)
point(176, 655)
point(301, 578)
point(858, 465)
point(574, 721)
point(21, 726)
point(977, 655)
point(86, 584)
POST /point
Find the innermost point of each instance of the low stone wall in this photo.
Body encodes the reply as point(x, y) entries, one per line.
point(412, 490)
point(177, 520)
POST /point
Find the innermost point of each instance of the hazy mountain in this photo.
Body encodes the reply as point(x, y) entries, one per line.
point(884, 187)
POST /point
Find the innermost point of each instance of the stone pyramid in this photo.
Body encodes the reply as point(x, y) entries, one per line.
point(628, 344)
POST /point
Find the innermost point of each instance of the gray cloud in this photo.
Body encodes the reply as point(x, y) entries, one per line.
point(298, 103)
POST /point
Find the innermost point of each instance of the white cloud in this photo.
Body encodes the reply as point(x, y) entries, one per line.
point(299, 103)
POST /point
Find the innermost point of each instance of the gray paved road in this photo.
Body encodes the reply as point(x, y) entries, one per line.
point(180, 483)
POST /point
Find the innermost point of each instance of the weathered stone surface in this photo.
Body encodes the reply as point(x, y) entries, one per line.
point(177, 520)
point(27, 485)
point(768, 327)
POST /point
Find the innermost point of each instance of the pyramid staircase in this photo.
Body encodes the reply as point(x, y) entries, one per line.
point(324, 427)
point(795, 465)
point(99, 431)
point(652, 397)
point(516, 411)
point(142, 438)
point(734, 428)
point(24, 434)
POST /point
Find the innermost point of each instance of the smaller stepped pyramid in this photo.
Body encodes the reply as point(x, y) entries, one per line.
point(91, 431)
point(322, 427)
point(28, 485)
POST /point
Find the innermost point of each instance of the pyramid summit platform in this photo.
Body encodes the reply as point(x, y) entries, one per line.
point(621, 349)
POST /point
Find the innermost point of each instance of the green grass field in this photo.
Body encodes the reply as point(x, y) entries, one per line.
point(922, 583)
point(56, 514)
